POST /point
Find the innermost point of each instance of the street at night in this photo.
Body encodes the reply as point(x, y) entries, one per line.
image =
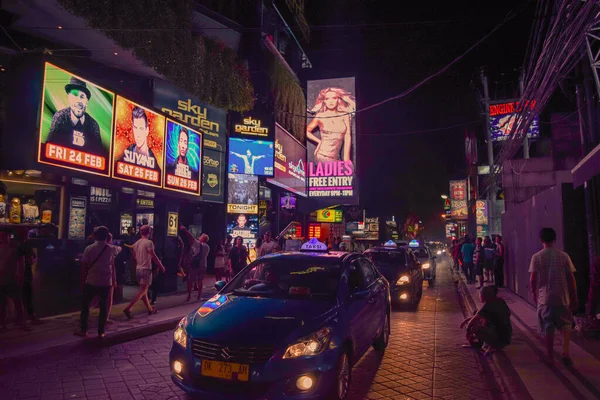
point(299, 199)
point(424, 360)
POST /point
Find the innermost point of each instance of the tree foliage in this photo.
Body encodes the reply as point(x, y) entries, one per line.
point(159, 32)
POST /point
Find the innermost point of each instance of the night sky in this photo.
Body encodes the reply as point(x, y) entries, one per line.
point(396, 46)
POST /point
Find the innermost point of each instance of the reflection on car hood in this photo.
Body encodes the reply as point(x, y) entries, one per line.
point(257, 321)
point(391, 273)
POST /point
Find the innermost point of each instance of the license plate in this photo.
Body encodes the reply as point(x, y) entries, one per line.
point(225, 370)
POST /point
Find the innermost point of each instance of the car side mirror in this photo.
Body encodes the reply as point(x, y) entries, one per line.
point(219, 285)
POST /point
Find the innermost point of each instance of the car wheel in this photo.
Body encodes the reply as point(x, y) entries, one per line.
point(343, 375)
point(382, 340)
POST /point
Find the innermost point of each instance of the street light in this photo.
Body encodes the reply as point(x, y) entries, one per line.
point(444, 196)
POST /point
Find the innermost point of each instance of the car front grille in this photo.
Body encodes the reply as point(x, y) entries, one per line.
point(242, 355)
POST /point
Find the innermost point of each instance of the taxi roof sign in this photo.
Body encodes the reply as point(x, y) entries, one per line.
point(390, 243)
point(313, 245)
point(414, 243)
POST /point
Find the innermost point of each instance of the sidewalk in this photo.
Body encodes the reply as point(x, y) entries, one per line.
point(537, 380)
point(56, 334)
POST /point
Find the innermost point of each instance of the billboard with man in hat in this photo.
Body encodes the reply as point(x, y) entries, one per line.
point(76, 122)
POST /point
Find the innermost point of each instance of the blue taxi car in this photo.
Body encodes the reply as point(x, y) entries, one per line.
point(288, 326)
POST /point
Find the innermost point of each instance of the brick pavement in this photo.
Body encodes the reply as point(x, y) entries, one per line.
point(424, 361)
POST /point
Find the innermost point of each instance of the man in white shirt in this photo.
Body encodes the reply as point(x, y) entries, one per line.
point(144, 255)
point(554, 291)
point(269, 246)
point(98, 276)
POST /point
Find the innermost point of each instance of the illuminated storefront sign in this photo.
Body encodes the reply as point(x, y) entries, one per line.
point(76, 122)
point(144, 203)
point(139, 138)
point(331, 135)
point(329, 215)
point(481, 212)
point(314, 231)
point(183, 159)
point(243, 225)
point(250, 126)
point(458, 200)
point(100, 195)
point(290, 162)
point(77, 214)
point(211, 121)
point(503, 118)
point(213, 176)
point(173, 223)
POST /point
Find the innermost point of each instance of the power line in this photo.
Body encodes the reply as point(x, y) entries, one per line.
point(382, 25)
point(508, 17)
point(11, 39)
point(371, 135)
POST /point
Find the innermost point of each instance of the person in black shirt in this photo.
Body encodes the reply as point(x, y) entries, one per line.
point(73, 127)
point(490, 328)
point(238, 256)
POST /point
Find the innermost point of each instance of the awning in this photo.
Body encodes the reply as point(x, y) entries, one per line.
point(587, 168)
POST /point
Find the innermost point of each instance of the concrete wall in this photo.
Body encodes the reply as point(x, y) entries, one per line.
point(559, 207)
point(520, 229)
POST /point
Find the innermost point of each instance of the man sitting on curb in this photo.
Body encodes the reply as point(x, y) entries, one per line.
point(490, 327)
point(554, 291)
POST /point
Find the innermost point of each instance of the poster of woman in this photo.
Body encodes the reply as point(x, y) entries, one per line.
point(331, 140)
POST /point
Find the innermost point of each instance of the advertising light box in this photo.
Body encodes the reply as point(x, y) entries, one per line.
point(331, 135)
point(242, 196)
point(289, 162)
point(243, 225)
point(76, 122)
point(213, 176)
point(138, 148)
point(458, 200)
point(329, 215)
point(503, 118)
point(250, 157)
point(183, 159)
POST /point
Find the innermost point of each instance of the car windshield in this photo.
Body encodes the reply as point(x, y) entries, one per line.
point(286, 278)
point(421, 253)
point(388, 262)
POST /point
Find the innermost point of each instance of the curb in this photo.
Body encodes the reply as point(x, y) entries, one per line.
point(91, 343)
point(505, 375)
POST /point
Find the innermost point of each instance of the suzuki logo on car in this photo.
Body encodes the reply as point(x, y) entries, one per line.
point(225, 354)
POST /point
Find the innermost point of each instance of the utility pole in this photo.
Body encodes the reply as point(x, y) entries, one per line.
point(491, 195)
point(526, 139)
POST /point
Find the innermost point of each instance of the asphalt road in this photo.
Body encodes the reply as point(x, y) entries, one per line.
point(424, 360)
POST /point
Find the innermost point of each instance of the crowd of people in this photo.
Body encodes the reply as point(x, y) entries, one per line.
point(482, 260)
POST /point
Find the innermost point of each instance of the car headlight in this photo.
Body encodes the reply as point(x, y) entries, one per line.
point(426, 266)
point(403, 280)
point(309, 346)
point(180, 335)
point(439, 252)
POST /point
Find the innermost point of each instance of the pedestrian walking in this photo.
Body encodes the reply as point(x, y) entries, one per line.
point(554, 291)
point(467, 251)
point(157, 281)
point(238, 256)
point(454, 252)
point(227, 248)
point(200, 250)
point(98, 275)
point(11, 279)
point(219, 261)
point(258, 247)
point(488, 261)
point(499, 263)
point(144, 255)
point(29, 259)
point(479, 260)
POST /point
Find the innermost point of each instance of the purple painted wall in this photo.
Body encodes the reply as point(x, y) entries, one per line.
point(520, 228)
